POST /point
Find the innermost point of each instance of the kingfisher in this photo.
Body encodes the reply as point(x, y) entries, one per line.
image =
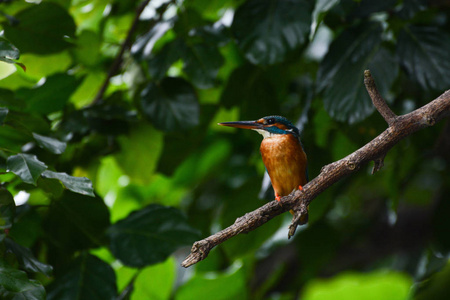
point(282, 153)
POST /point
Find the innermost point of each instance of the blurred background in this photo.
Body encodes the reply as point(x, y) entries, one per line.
point(112, 163)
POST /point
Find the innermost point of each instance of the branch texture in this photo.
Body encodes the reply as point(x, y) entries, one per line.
point(399, 128)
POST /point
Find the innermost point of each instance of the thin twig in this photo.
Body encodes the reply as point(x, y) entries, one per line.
point(403, 126)
point(377, 100)
point(118, 60)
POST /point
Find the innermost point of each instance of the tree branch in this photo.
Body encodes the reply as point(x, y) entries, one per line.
point(118, 60)
point(399, 128)
point(126, 45)
point(377, 100)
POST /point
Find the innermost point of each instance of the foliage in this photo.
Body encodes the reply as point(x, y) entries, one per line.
point(102, 188)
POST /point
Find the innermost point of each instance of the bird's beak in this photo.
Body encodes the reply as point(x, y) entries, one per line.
point(243, 124)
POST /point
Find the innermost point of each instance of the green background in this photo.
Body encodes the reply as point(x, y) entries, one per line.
point(103, 192)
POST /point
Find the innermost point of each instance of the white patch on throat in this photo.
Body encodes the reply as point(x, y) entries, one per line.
point(264, 133)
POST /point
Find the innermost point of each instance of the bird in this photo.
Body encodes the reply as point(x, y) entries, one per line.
point(282, 153)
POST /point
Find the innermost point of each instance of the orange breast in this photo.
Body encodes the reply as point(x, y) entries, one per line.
point(285, 162)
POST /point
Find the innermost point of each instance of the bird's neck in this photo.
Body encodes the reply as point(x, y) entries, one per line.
point(265, 133)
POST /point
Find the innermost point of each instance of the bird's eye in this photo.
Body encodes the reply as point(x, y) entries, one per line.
point(271, 121)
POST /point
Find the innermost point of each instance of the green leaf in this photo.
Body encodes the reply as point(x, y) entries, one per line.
point(26, 259)
point(150, 235)
point(80, 185)
point(379, 285)
point(143, 46)
point(51, 96)
point(249, 88)
point(187, 21)
point(384, 68)
point(212, 286)
point(201, 63)
point(53, 145)
point(155, 282)
point(12, 139)
point(266, 31)
point(87, 51)
point(170, 105)
point(204, 164)
point(3, 113)
point(8, 99)
point(320, 11)
point(39, 66)
point(87, 277)
point(7, 50)
point(140, 152)
point(340, 74)
point(434, 286)
point(27, 227)
point(159, 63)
point(425, 54)
point(14, 284)
point(26, 166)
point(27, 123)
point(7, 209)
point(76, 222)
point(42, 29)
point(237, 203)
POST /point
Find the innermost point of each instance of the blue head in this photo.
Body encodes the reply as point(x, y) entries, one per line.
point(267, 126)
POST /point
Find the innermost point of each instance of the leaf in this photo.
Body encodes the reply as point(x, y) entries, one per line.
point(150, 235)
point(27, 227)
point(53, 145)
point(77, 222)
point(234, 280)
point(170, 105)
point(26, 259)
point(425, 54)
point(26, 166)
point(87, 277)
point(340, 75)
point(155, 282)
point(7, 209)
point(202, 59)
point(44, 66)
point(379, 285)
point(42, 29)
point(266, 31)
point(215, 34)
point(140, 152)
point(239, 202)
point(27, 123)
point(143, 46)
point(249, 88)
point(433, 285)
point(3, 113)
point(12, 139)
point(320, 11)
point(384, 68)
point(187, 21)
point(14, 284)
point(87, 51)
point(159, 63)
point(8, 99)
point(80, 185)
point(8, 50)
point(201, 63)
point(51, 96)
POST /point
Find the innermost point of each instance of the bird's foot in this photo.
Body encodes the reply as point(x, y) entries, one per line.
point(277, 197)
point(300, 188)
